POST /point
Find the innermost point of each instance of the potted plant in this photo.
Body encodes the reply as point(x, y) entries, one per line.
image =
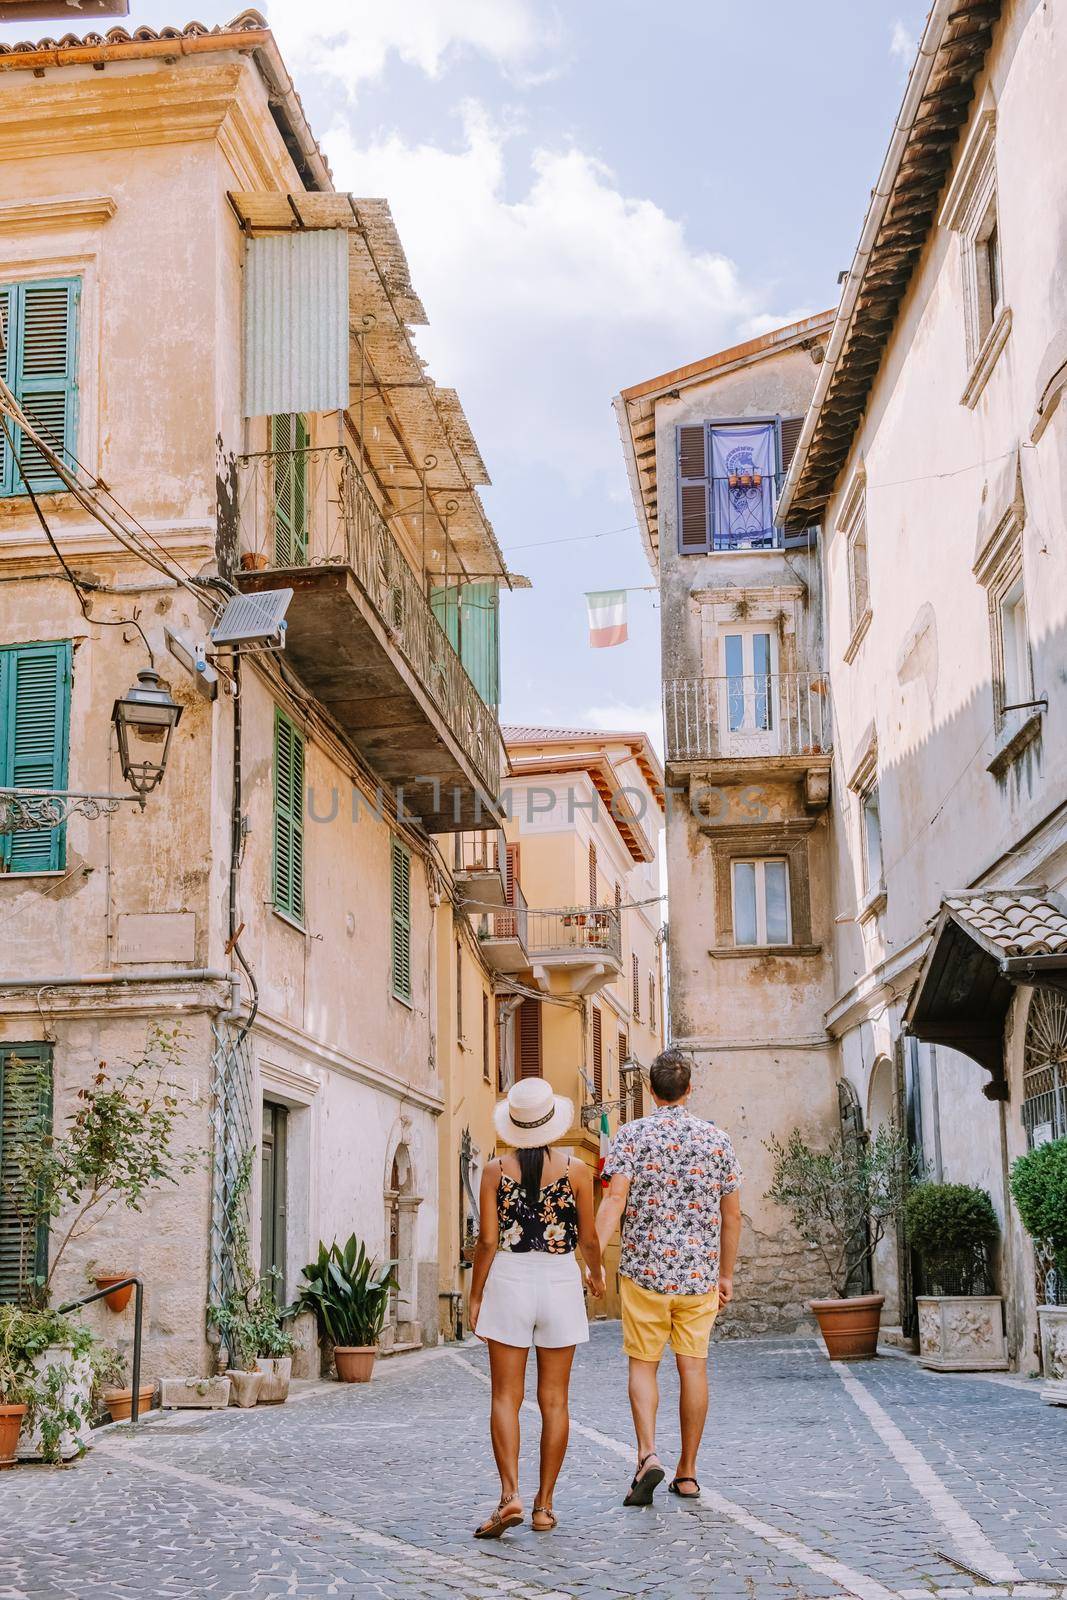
point(109, 1370)
point(348, 1294)
point(234, 1319)
point(841, 1199)
point(15, 1394)
point(952, 1228)
point(52, 1353)
point(1039, 1189)
point(248, 1317)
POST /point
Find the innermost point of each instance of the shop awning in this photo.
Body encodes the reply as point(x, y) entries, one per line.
point(983, 945)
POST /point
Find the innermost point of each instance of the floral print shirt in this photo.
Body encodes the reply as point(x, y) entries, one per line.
point(551, 1226)
point(679, 1169)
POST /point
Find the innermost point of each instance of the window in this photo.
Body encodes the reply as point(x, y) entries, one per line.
point(729, 474)
point(871, 840)
point(25, 1100)
point(39, 365)
point(1016, 679)
point(999, 568)
point(289, 445)
point(400, 916)
point(859, 589)
point(746, 659)
point(970, 210)
point(636, 976)
point(288, 818)
point(761, 901)
point(487, 1038)
point(652, 1001)
point(469, 613)
point(624, 1054)
point(459, 992)
point(598, 1055)
point(34, 740)
point(528, 1039)
point(990, 287)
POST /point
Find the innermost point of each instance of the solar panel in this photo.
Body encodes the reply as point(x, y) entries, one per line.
point(253, 618)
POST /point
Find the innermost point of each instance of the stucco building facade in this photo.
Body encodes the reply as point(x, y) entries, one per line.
point(288, 896)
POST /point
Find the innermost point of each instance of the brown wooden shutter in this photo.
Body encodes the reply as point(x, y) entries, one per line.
point(624, 1051)
point(598, 1056)
point(790, 427)
point(636, 985)
point(592, 875)
point(504, 925)
point(487, 1039)
point(694, 520)
point(652, 1000)
point(618, 897)
point(639, 1097)
point(528, 1039)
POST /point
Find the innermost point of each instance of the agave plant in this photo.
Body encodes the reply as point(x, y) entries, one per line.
point(348, 1292)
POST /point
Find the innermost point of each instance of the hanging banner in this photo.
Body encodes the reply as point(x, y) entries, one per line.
point(607, 617)
point(743, 479)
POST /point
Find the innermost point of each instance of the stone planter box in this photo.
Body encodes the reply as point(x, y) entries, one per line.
point(277, 1372)
point(962, 1333)
point(1052, 1321)
point(204, 1394)
point(76, 1392)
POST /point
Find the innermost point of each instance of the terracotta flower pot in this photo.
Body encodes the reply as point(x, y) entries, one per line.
point(354, 1362)
point(253, 560)
point(119, 1299)
point(850, 1327)
point(120, 1401)
point(10, 1428)
point(244, 1387)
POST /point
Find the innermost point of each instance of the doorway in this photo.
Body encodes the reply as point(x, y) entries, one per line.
point(273, 1195)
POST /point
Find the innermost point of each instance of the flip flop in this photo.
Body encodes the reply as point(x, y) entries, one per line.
point(499, 1522)
point(645, 1484)
point(672, 1488)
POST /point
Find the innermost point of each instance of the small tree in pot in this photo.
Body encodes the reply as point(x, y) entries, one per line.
point(1039, 1188)
point(841, 1200)
point(349, 1294)
point(952, 1228)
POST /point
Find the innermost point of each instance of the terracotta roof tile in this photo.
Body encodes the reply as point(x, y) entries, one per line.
point(247, 21)
point(523, 734)
point(1021, 922)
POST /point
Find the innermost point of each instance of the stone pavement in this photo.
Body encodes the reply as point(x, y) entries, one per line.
point(869, 1481)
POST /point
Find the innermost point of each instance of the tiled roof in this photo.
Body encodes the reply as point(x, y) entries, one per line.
point(522, 734)
point(246, 22)
point(1021, 922)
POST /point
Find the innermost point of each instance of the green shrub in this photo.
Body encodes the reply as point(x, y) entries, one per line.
point(347, 1292)
point(1039, 1186)
point(952, 1228)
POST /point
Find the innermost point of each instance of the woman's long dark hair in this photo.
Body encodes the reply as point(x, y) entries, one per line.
point(531, 1166)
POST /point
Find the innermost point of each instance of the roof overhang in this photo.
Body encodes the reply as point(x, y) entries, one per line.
point(902, 211)
point(635, 408)
point(963, 994)
point(610, 789)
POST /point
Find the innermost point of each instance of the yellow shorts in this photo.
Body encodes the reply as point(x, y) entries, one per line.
point(651, 1320)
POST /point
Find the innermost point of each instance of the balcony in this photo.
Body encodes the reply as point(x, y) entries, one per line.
point(776, 720)
point(363, 637)
point(572, 950)
point(477, 869)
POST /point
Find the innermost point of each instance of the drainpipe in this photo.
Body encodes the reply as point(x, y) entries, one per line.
point(154, 975)
point(880, 197)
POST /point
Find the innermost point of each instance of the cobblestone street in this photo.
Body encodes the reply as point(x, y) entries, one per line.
point(818, 1481)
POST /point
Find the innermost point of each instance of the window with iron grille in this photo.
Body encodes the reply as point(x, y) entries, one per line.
point(38, 362)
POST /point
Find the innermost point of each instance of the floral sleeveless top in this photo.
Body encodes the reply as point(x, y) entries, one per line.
point(550, 1226)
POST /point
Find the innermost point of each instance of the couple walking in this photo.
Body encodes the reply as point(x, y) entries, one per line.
point(673, 1180)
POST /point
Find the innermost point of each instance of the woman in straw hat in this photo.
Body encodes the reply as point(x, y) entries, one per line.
point(526, 1289)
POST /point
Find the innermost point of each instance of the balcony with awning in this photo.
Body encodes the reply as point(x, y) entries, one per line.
point(359, 491)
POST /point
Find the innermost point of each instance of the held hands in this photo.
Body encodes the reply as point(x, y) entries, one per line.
point(596, 1284)
point(726, 1291)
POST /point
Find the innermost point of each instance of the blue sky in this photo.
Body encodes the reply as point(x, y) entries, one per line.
point(590, 194)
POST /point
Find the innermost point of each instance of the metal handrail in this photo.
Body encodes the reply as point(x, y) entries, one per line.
point(592, 928)
point(138, 1307)
point(747, 714)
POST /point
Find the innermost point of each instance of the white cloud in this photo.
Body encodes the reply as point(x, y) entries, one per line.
point(351, 40)
point(902, 44)
point(547, 286)
point(627, 717)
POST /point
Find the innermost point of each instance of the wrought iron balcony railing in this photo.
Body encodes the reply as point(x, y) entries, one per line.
point(576, 929)
point(311, 508)
point(510, 923)
point(763, 715)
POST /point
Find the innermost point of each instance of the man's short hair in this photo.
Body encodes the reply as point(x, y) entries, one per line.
point(670, 1074)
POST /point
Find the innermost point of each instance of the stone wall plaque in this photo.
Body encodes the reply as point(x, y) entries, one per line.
point(156, 937)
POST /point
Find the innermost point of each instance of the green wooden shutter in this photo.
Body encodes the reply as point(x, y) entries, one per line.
point(401, 921)
point(289, 444)
point(25, 1098)
point(41, 369)
point(444, 604)
point(288, 818)
point(34, 740)
point(479, 638)
point(7, 370)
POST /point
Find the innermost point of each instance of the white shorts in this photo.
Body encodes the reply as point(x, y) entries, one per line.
point(534, 1299)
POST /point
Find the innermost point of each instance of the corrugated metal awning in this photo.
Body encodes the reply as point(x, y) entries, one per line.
point(296, 322)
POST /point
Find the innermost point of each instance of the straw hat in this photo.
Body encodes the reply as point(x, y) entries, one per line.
point(532, 1115)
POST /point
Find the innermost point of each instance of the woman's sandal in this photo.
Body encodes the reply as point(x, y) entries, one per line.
point(672, 1488)
point(501, 1520)
point(546, 1526)
point(645, 1484)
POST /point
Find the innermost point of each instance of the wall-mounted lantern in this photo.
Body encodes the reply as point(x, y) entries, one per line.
point(144, 721)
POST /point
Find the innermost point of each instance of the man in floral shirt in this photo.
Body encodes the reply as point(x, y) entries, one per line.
point(675, 1183)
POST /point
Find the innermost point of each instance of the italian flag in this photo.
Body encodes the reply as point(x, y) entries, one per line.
point(607, 617)
point(605, 1145)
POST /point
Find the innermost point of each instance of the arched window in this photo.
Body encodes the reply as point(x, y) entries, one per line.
point(1044, 1108)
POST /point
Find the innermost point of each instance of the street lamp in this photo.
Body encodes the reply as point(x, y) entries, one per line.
point(144, 721)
